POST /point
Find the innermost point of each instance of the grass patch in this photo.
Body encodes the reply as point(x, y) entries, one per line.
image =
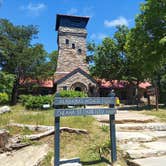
point(92, 148)
point(20, 115)
point(47, 160)
point(160, 114)
point(13, 130)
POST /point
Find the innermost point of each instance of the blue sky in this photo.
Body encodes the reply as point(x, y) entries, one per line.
point(104, 16)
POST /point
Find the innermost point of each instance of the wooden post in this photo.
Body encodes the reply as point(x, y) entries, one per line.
point(112, 131)
point(57, 142)
point(113, 138)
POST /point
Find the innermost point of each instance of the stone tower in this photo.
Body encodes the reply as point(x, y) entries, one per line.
point(72, 70)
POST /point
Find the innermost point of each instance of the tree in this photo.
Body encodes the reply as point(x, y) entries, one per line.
point(145, 44)
point(107, 63)
point(6, 83)
point(120, 37)
point(18, 56)
point(109, 57)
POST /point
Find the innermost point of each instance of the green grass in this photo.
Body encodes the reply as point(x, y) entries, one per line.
point(89, 147)
point(160, 114)
point(20, 115)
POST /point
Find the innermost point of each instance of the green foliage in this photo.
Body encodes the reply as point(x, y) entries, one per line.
point(103, 149)
point(4, 98)
point(109, 57)
point(104, 128)
point(35, 102)
point(162, 87)
point(20, 57)
point(6, 83)
point(146, 41)
point(71, 93)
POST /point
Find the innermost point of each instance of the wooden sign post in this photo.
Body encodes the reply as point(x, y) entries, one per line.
point(59, 101)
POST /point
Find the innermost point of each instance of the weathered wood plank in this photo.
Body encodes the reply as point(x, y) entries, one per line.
point(84, 101)
point(79, 112)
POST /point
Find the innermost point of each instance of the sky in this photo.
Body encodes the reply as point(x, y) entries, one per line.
point(104, 15)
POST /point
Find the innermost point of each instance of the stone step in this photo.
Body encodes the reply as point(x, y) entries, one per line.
point(157, 134)
point(124, 137)
point(142, 126)
point(123, 117)
point(28, 156)
point(144, 150)
point(150, 161)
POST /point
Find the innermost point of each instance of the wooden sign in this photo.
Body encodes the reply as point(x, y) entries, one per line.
point(79, 112)
point(59, 101)
point(84, 101)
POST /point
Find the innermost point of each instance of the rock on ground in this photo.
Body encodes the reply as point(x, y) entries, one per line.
point(124, 137)
point(148, 149)
point(4, 109)
point(127, 117)
point(70, 162)
point(28, 156)
point(151, 161)
point(4, 137)
point(142, 126)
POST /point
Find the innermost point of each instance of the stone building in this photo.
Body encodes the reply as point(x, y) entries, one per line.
point(72, 70)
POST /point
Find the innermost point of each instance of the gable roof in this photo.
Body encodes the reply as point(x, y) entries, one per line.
point(78, 70)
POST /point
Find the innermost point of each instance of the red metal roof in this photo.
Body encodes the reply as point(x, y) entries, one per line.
point(120, 84)
point(43, 83)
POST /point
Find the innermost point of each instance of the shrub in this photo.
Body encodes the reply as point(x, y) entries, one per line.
point(72, 93)
point(6, 83)
point(23, 98)
point(4, 98)
point(35, 102)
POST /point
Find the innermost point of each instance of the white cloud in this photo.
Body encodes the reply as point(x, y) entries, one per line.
point(98, 36)
point(72, 11)
point(119, 21)
point(34, 9)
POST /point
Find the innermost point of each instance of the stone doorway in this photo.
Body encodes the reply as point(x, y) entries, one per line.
point(78, 86)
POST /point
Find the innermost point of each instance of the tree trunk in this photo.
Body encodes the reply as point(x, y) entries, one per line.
point(15, 92)
point(137, 94)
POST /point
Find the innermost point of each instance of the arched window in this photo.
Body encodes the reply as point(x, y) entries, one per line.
point(79, 51)
point(67, 41)
point(73, 46)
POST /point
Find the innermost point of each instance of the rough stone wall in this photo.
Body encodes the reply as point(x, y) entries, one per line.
point(78, 77)
point(70, 59)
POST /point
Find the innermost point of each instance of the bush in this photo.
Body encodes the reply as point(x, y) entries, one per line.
point(4, 98)
point(23, 99)
point(6, 83)
point(35, 102)
point(71, 93)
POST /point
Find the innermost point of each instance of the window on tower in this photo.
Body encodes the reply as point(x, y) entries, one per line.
point(73, 46)
point(79, 51)
point(67, 41)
